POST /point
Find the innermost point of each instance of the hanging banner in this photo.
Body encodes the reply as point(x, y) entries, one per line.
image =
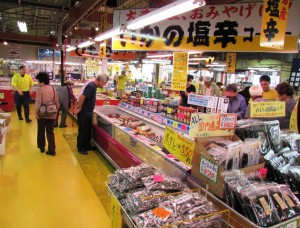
point(274, 21)
point(181, 147)
point(230, 62)
point(267, 109)
point(180, 70)
point(209, 28)
point(102, 51)
point(203, 124)
point(294, 119)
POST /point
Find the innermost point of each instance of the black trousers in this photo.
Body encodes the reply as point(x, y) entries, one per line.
point(84, 132)
point(22, 100)
point(46, 126)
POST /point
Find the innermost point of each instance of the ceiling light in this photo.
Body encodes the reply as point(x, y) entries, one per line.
point(22, 26)
point(86, 43)
point(213, 65)
point(170, 10)
point(97, 29)
point(52, 32)
point(204, 58)
point(159, 56)
point(110, 33)
point(71, 48)
point(5, 43)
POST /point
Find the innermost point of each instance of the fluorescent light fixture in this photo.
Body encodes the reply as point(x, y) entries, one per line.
point(86, 43)
point(170, 10)
point(156, 61)
point(71, 48)
point(261, 69)
point(51, 62)
point(110, 33)
point(215, 65)
point(206, 58)
point(22, 26)
point(159, 56)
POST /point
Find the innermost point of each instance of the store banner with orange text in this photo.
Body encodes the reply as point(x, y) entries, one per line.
point(294, 119)
point(178, 145)
point(274, 21)
point(180, 70)
point(204, 124)
point(267, 109)
point(227, 28)
point(230, 62)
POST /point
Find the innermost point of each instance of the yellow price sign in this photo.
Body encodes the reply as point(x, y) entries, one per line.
point(169, 110)
point(116, 216)
point(178, 145)
point(175, 124)
point(267, 109)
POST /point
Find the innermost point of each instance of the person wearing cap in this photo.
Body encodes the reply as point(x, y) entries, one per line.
point(269, 94)
point(237, 103)
point(66, 97)
point(209, 89)
point(22, 84)
point(256, 93)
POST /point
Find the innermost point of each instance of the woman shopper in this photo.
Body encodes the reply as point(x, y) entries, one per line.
point(45, 94)
point(190, 89)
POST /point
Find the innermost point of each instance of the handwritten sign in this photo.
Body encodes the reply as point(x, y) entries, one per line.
point(180, 70)
point(116, 216)
point(198, 100)
point(209, 169)
point(204, 124)
point(267, 109)
point(181, 147)
point(228, 121)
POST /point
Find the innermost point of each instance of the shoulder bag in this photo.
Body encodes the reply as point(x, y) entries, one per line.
point(48, 108)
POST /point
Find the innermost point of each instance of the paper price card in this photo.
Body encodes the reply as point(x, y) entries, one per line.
point(292, 224)
point(181, 147)
point(116, 216)
point(209, 169)
point(204, 124)
point(162, 213)
point(267, 109)
point(228, 121)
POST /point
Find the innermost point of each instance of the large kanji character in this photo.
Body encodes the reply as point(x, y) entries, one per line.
point(212, 12)
point(201, 35)
point(271, 30)
point(144, 12)
point(232, 9)
point(225, 32)
point(149, 33)
point(131, 15)
point(123, 40)
point(197, 14)
point(272, 8)
point(248, 38)
point(170, 34)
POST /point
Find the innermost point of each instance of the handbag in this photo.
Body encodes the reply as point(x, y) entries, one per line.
point(48, 109)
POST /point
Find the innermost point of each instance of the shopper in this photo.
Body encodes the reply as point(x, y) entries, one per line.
point(256, 93)
point(22, 84)
point(200, 88)
point(190, 88)
point(66, 98)
point(115, 79)
point(85, 108)
point(209, 89)
point(268, 93)
point(45, 94)
point(245, 93)
point(285, 93)
point(220, 86)
point(237, 103)
point(121, 84)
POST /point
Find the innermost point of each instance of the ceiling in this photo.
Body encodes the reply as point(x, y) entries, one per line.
point(48, 20)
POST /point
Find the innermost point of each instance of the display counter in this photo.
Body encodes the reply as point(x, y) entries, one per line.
point(7, 102)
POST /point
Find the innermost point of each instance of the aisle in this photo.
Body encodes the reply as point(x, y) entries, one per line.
point(37, 190)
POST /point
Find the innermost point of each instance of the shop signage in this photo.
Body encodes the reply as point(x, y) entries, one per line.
point(181, 147)
point(274, 20)
point(230, 62)
point(226, 28)
point(294, 119)
point(267, 109)
point(180, 69)
point(228, 121)
point(14, 51)
point(204, 124)
point(209, 169)
point(116, 216)
point(198, 100)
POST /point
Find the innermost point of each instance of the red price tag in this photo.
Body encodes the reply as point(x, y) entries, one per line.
point(160, 212)
point(183, 127)
point(228, 121)
point(181, 115)
point(170, 156)
point(158, 178)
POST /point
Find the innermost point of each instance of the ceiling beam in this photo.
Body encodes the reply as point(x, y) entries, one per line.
point(44, 5)
point(21, 38)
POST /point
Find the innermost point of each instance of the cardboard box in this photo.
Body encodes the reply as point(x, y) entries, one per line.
point(213, 173)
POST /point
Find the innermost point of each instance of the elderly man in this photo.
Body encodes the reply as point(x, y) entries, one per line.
point(269, 94)
point(237, 103)
point(86, 104)
point(209, 89)
point(256, 93)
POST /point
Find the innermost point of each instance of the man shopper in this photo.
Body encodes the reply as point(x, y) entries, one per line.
point(237, 103)
point(86, 104)
point(268, 94)
point(22, 84)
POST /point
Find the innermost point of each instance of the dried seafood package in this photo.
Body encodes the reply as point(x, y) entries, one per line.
point(162, 182)
point(135, 173)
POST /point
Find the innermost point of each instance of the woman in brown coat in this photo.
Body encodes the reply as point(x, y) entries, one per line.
point(45, 94)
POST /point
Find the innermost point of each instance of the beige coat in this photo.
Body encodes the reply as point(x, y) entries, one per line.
point(45, 94)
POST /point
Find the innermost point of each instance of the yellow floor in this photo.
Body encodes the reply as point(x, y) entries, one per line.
point(37, 190)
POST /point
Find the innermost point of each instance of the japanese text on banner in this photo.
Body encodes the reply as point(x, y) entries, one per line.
point(181, 147)
point(267, 109)
point(180, 60)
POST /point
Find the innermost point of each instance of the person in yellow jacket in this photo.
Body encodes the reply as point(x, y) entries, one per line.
point(121, 84)
point(268, 93)
point(22, 84)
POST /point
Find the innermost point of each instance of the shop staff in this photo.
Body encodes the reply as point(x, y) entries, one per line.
point(121, 84)
point(268, 94)
point(85, 108)
point(285, 93)
point(22, 84)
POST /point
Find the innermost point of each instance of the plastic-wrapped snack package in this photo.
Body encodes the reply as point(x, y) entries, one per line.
point(255, 144)
point(114, 180)
point(277, 163)
point(162, 182)
point(294, 180)
point(137, 172)
point(214, 221)
point(274, 135)
point(126, 185)
point(222, 142)
point(144, 199)
point(119, 195)
point(218, 153)
point(196, 211)
point(291, 157)
point(290, 199)
point(233, 156)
